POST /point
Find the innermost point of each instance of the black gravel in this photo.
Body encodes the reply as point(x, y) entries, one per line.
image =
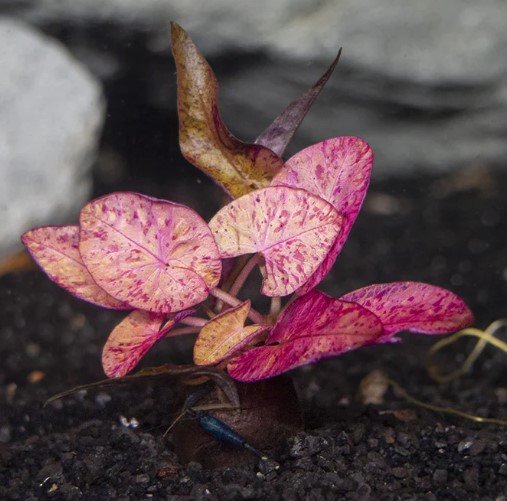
point(109, 444)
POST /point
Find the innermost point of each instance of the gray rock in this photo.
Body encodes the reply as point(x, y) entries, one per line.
point(424, 82)
point(410, 131)
point(51, 112)
point(431, 41)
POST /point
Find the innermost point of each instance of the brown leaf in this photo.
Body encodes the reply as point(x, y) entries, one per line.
point(35, 376)
point(278, 135)
point(404, 415)
point(373, 387)
point(20, 261)
point(204, 140)
point(168, 471)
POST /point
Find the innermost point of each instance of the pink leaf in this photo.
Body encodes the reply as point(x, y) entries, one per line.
point(413, 306)
point(225, 334)
point(55, 250)
point(153, 254)
point(292, 228)
point(278, 135)
point(313, 327)
point(132, 338)
point(337, 170)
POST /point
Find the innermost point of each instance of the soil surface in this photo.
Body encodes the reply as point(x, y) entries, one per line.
point(109, 444)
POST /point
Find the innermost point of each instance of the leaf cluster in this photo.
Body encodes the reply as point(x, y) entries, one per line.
point(162, 261)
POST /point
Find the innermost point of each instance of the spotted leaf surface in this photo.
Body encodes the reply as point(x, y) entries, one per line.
point(293, 229)
point(132, 338)
point(153, 254)
point(224, 334)
point(413, 306)
point(337, 170)
point(55, 250)
point(278, 135)
point(313, 327)
point(204, 140)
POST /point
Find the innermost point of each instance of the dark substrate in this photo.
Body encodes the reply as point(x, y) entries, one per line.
point(448, 231)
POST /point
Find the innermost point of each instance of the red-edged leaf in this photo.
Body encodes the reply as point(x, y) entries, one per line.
point(313, 327)
point(337, 170)
point(292, 228)
point(153, 254)
point(204, 140)
point(413, 306)
point(132, 338)
point(279, 134)
point(225, 334)
point(55, 250)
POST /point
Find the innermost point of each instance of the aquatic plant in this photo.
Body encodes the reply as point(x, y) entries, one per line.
point(178, 275)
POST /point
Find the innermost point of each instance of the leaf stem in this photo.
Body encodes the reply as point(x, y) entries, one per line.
point(229, 299)
point(193, 321)
point(276, 306)
point(183, 331)
point(244, 273)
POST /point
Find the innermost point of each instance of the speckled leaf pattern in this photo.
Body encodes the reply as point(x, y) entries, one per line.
point(204, 140)
point(278, 135)
point(132, 338)
point(337, 170)
point(293, 229)
point(55, 250)
point(413, 306)
point(225, 334)
point(313, 327)
point(153, 254)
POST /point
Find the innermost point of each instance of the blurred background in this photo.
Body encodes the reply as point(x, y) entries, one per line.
point(88, 106)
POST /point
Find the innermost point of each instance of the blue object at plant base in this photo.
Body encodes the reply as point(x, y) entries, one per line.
point(222, 432)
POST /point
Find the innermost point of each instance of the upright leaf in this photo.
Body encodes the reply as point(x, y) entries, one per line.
point(313, 327)
point(293, 229)
point(337, 170)
point(153, 254)
point(279, 134)
point(132, 338)
point(413, 306)
point(204, 140)
point(55, 250)
point(224, 334)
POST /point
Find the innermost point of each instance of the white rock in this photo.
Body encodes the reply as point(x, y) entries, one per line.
point(51, 113)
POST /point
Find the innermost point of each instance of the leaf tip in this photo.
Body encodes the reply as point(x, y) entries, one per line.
point(175, 29)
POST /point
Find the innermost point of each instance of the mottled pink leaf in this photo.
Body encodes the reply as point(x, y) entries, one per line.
point(278, 135)
point(153, 254)
point(224, 335)
point(292, 228)
point(55, 250)
point(133, 337)
point(337, 170)
point(313, 327)
point(413, 306)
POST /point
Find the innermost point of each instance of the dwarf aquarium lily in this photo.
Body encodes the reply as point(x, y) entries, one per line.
point(177, 274)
